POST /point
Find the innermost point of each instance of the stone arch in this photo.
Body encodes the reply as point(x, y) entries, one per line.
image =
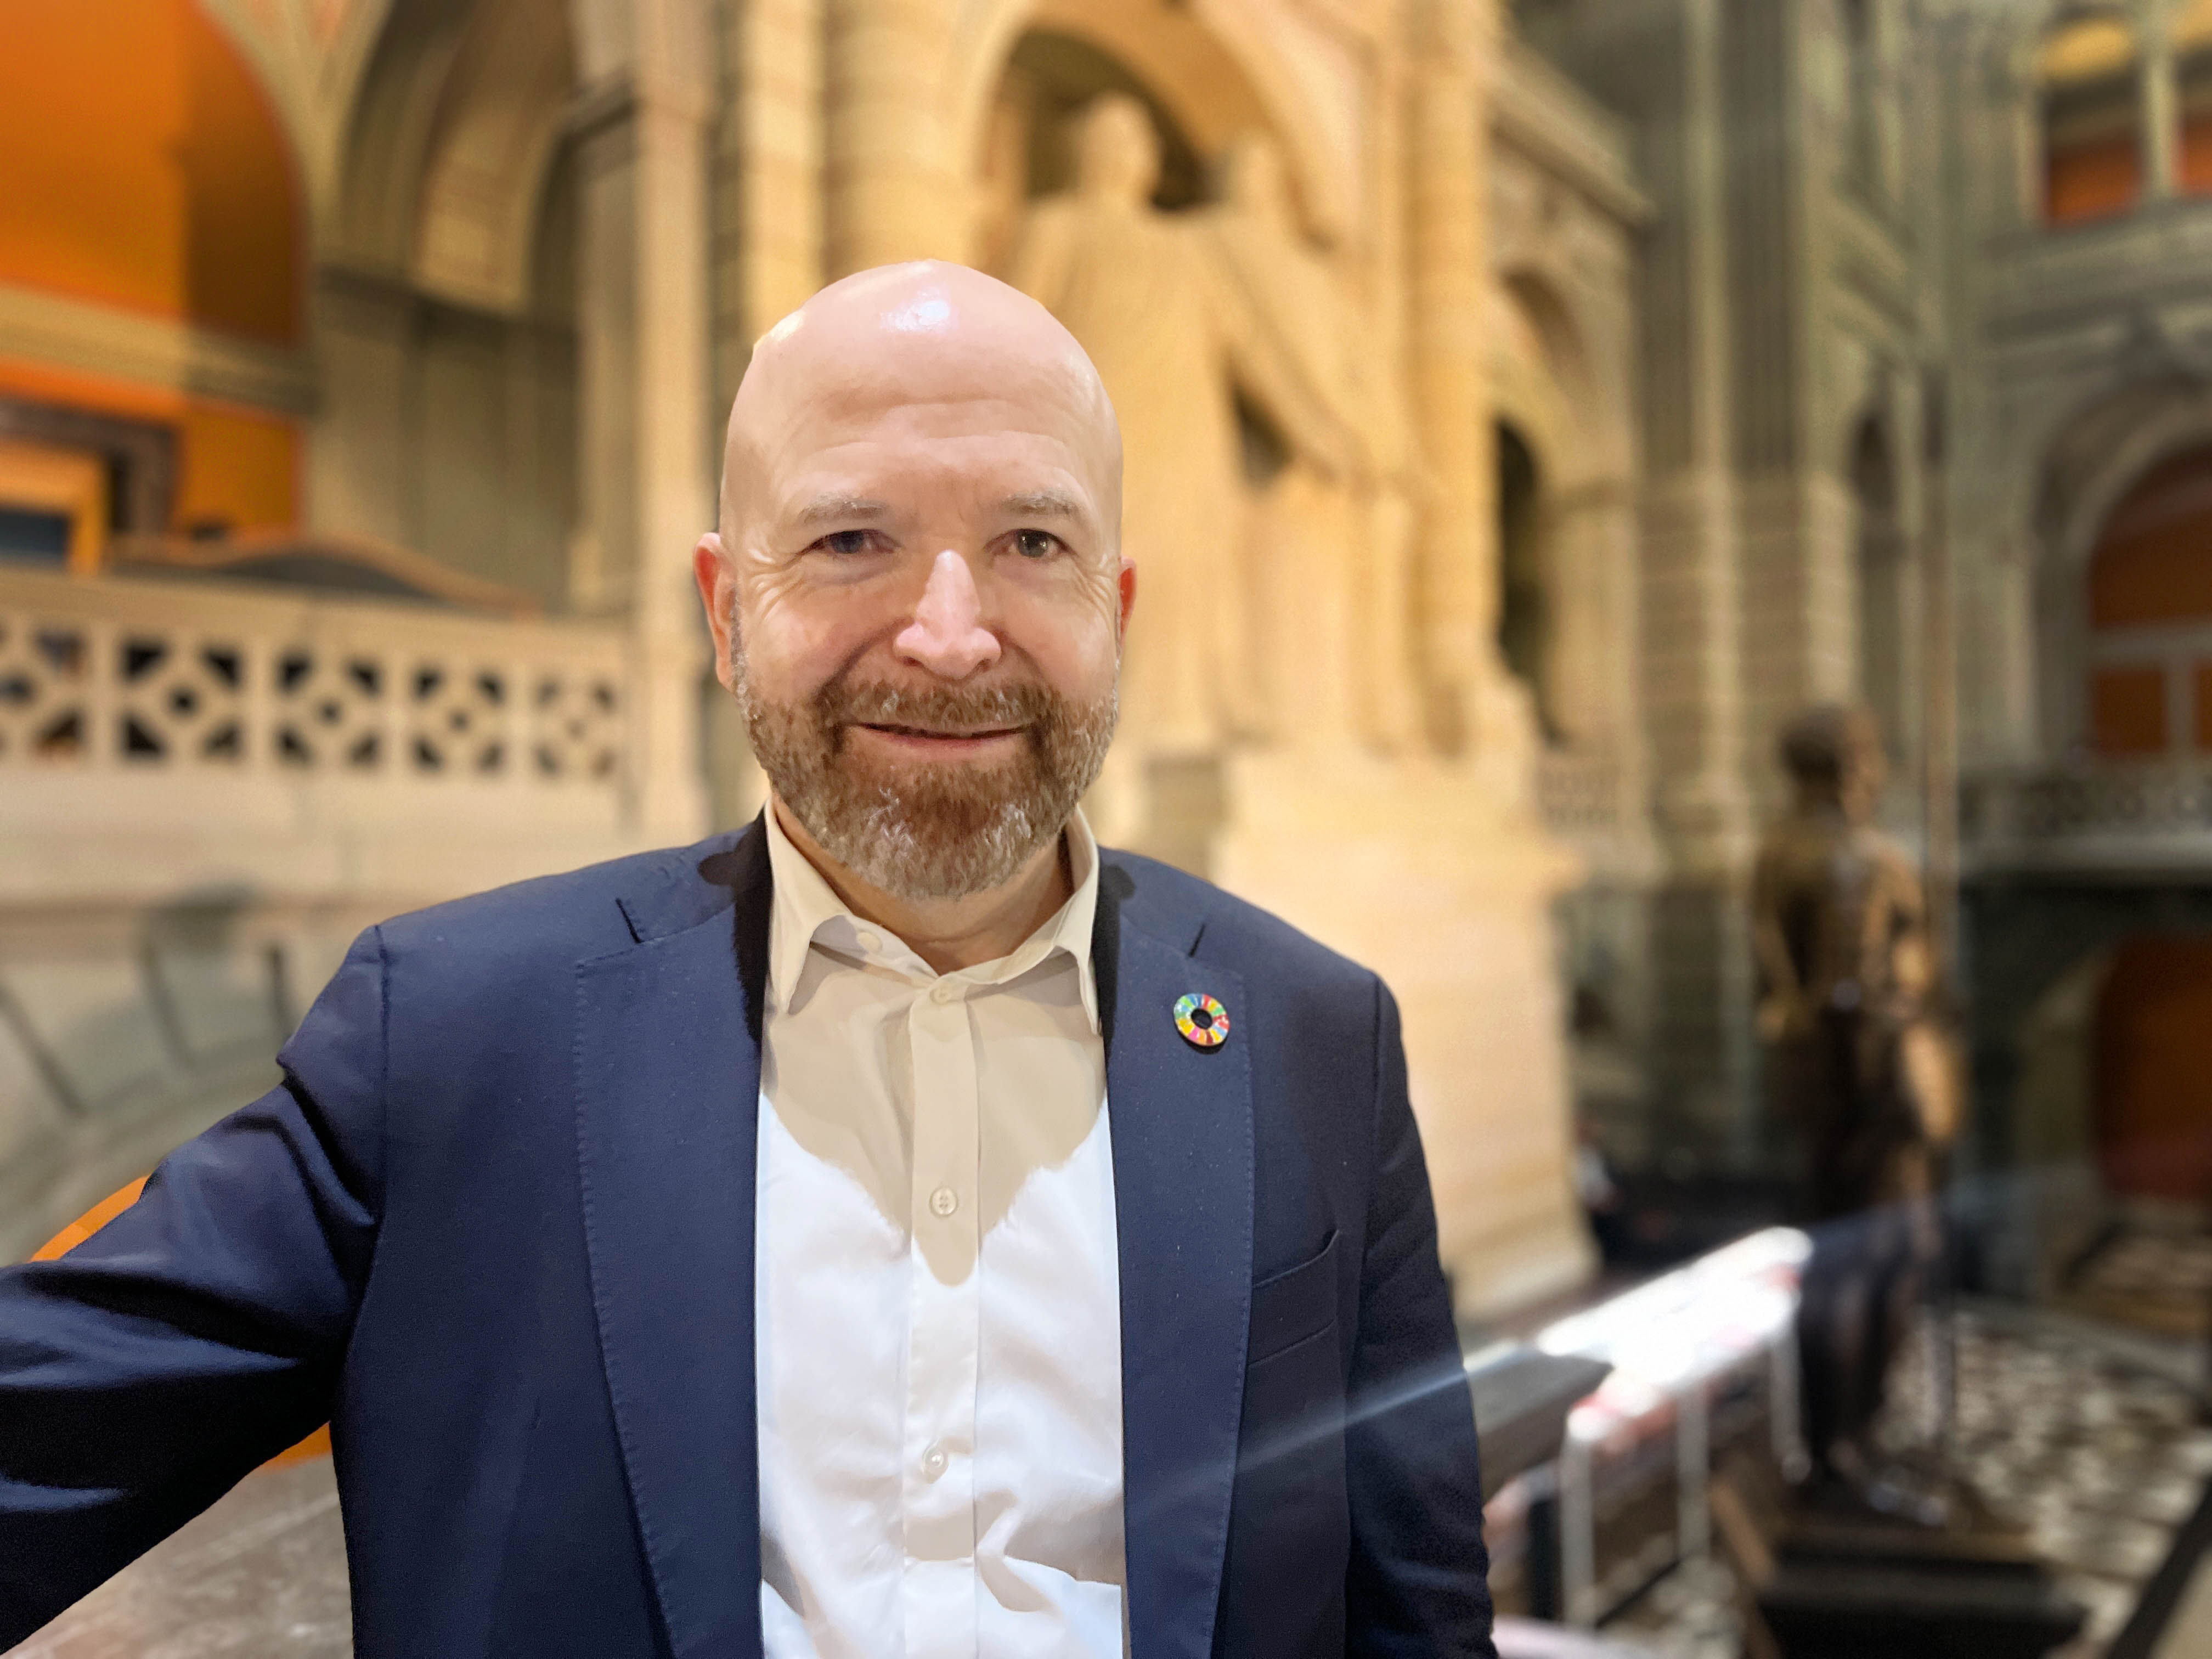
point(2095, 455)
point(1215, 79)
point(454, 137)
point(1543, 379)
point(1029, 150)
point(1567, 620)
point(452, 388)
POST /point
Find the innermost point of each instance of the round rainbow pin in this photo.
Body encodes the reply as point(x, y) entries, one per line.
point(1203, 1022)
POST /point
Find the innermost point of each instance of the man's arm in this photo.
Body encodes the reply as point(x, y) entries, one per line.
point(1419, 1583)
point(200, 1332)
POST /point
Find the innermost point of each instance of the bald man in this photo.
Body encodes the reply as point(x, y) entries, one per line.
point(899, 1229)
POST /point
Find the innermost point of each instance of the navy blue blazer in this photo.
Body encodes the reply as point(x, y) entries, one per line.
point(496, 1225)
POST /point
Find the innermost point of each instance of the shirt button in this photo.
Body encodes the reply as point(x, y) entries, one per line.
point(870, 942)
point(934, 1461)
point(945, 1200)
point(944, 991)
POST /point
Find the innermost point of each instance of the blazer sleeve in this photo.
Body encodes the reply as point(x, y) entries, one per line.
point(200, 1332)
point(1419, 1582)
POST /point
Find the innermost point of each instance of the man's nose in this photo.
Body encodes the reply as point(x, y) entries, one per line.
point(947, 635)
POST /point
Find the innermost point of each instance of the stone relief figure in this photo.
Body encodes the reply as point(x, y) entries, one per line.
point(1862, 1071)
point(1337, 521)
point(1175, 337)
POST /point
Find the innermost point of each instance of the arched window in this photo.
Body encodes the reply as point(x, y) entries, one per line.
point(1524, 619)
point(2093, 152)
point(2192, 64)
point(2150, 614)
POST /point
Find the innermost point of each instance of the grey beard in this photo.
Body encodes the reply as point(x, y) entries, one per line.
point(916, 831)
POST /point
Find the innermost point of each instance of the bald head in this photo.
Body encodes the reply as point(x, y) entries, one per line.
point(917, 592)
point(926, 334)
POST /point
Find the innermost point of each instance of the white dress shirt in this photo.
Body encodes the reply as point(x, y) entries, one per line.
point(936, 1292)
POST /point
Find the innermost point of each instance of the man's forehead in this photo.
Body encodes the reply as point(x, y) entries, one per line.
point(918, 355)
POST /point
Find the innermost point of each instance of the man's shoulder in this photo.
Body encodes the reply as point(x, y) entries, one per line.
point(576, 914)
point(1191, 913)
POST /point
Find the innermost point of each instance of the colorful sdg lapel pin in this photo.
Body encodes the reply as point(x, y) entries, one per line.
point(1203, 1022)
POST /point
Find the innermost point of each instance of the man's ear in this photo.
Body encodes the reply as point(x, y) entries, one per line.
point(1128, 584)
point(718, 593)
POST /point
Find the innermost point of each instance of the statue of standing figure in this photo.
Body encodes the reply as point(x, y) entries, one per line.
point(1864, 1072)
point(1182, 312)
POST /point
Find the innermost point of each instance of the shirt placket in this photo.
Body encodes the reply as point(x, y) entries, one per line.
point(937, 1590)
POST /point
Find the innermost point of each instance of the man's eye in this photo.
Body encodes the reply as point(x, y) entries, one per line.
point(1035, 544)
point(847, 542)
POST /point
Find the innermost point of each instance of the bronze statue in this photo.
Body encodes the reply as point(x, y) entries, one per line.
point(1861, 1069)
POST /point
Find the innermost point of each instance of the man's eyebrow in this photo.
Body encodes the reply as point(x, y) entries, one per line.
point(833, 509)
point(1043, 504)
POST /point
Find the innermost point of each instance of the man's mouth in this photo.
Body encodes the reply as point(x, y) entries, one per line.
point(941, 740)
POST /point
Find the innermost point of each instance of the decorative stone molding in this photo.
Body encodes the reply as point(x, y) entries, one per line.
point(37, 326)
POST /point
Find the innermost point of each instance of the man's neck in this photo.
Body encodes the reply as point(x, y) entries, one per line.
point(950, 935)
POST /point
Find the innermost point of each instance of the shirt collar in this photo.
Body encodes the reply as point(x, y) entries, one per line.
point(806, 911)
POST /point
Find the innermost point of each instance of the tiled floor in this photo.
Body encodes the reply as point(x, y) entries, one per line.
point(2100, 1459)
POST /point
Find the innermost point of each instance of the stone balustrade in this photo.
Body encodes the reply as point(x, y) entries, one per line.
point(1580, 794)
point(2112, 814)
point(159, 733)
point(153, 678)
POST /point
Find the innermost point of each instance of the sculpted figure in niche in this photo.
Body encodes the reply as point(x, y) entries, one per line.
point(1175, 339)
point(1331, 543)
point(1864, 1072)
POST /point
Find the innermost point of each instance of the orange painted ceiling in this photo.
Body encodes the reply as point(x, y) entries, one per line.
point(144, 166)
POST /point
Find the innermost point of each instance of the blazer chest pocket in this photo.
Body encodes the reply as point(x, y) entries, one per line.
point(1289, 1308)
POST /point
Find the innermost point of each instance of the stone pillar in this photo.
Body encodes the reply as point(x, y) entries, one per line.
point(1589, 538)
point(645, 430)
point(1702, 1051)
point(1437, 875)
point(768, 220)
point(1449, 296)
point(893, 193)
point(2161, 113)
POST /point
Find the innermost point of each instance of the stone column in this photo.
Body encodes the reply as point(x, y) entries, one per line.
point(2161, 113)
point(1437, 875)
point(1589, 538)
point(1693, 621)
point(769, 219)
point(893, 193)
point(1448, 295)
point(646, 435)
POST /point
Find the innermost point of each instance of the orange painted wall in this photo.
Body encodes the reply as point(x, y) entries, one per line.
point(2197, 155)
point(2154, 1070)
point(236, 464)
point(2154, 561)
point(144, 166)
point(2092, 180)
point(2127, 711)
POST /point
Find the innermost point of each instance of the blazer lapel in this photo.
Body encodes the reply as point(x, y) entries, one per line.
point(1181, 1120)
point(667, 1095)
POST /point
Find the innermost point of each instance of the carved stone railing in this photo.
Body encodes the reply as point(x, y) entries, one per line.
point(1580, 794)
point(2106, 814)
point(148, 678)
point(157, 735)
